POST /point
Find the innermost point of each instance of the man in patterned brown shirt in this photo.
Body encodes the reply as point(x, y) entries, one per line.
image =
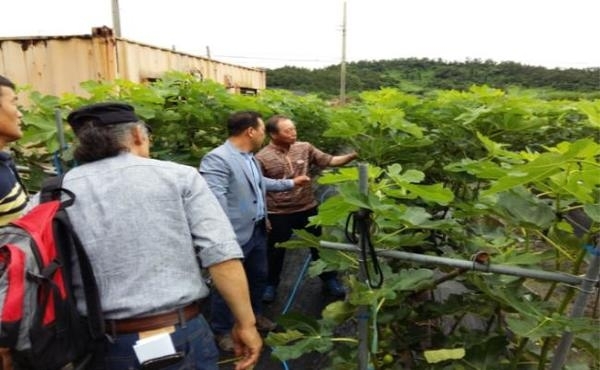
point(285, 158)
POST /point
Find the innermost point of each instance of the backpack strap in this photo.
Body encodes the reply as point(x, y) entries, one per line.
point(90, 287)
point(52, 190)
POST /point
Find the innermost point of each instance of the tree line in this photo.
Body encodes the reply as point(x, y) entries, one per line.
point(417, 75)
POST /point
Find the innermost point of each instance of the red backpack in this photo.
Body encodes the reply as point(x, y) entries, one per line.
point(39, 320)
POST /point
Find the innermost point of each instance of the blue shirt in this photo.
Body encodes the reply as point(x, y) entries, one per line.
point(227, 173)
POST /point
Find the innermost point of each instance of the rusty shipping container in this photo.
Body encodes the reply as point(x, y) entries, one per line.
point(58, 64)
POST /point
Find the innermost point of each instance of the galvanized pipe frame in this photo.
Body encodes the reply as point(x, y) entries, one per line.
point(471, 265)
point(586, 284)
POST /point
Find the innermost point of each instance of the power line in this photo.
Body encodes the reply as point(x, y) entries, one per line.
point(277, 59)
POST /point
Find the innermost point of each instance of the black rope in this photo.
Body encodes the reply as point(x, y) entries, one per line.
point(360, 224)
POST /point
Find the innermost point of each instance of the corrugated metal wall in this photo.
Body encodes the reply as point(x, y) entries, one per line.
point(138, 62)
point(56, 65)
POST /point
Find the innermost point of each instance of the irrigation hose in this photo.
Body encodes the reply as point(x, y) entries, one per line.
point(294, 291)
point(360, 224)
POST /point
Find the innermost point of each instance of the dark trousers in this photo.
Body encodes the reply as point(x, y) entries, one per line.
point(194, 339)
point(282, 226)
point(255, 256)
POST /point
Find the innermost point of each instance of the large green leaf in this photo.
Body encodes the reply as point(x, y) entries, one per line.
point(592, 110)
point(339, 311)
point(436, 193)
point(439, 355)
point(546, 165)
point(432, 193)
point(395, 282)
point(484, 169)
point(548, 326)
point(496, 149)
point(292, 344)
point(525, 208)
point(347, 174)
point(333, 210)
point(299, 347)
point(295, 321)
point(593, 210)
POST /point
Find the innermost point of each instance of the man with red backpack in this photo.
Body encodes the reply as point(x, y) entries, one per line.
point(148, 227)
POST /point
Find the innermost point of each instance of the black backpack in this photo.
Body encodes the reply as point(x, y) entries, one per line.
point(39, 320)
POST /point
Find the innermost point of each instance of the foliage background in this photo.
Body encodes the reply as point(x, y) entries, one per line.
point(453, 173)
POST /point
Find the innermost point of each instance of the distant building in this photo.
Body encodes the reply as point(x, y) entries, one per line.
point(58, 64)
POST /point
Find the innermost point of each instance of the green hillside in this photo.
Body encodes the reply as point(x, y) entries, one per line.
point(418, 75)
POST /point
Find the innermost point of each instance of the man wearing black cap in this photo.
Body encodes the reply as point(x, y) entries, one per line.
point(145, 224)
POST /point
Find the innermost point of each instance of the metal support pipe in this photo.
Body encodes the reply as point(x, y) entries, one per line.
point(471, 265)
point(587, 288)
point(363, 311)
point(60, 132)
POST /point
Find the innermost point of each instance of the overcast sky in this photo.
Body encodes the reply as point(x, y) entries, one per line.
point(308, 33)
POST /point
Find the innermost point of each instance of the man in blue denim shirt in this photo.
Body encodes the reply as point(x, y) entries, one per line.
point(145, 224)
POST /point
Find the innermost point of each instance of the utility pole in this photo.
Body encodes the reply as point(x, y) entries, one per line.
point(212, 69)
point(343, 64)
point(116, 15)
